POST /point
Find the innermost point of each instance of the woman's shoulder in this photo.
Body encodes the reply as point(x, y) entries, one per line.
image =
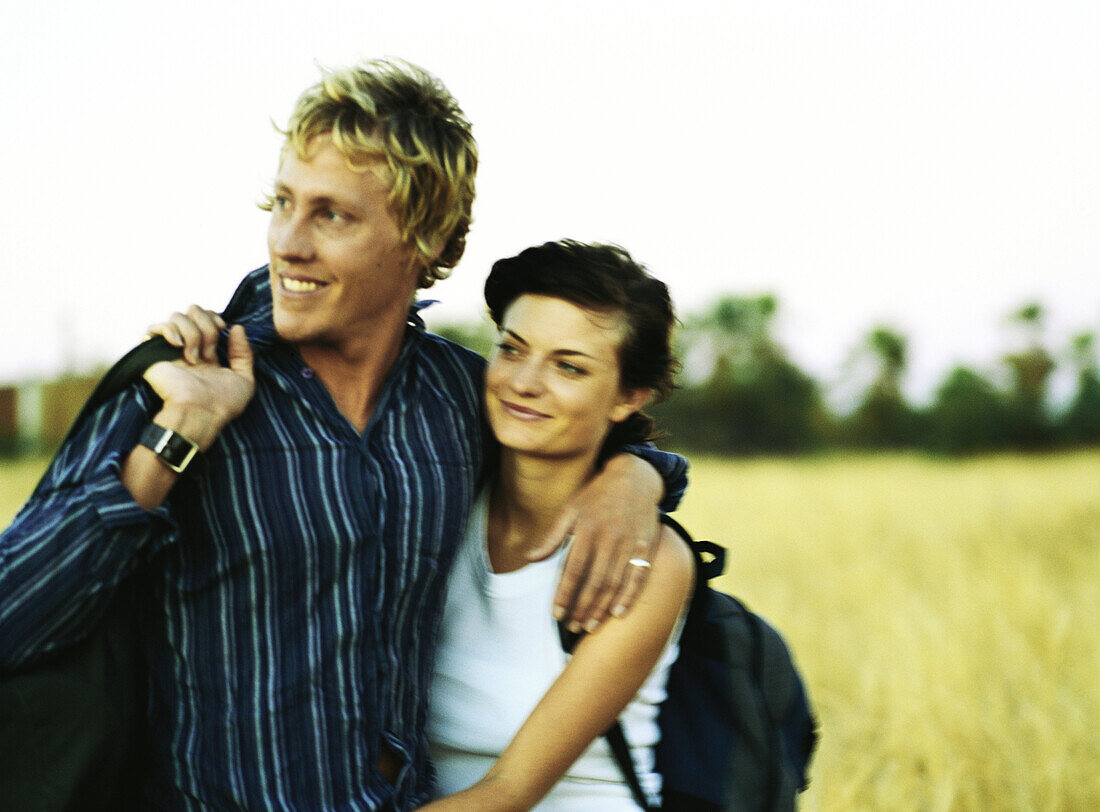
point(674, 555)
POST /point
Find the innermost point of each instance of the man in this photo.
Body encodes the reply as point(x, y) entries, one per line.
point(290, 517)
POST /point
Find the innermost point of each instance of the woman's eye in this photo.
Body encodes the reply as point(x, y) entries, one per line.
point(504, 348)
point(571, 369)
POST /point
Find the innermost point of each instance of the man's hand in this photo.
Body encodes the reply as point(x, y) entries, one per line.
point(614, 526)
point(199, 400)
point(201, 397)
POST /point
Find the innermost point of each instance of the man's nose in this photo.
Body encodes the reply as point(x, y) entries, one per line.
point(291, 239)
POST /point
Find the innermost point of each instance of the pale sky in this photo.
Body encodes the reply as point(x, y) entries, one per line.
point(928, 165)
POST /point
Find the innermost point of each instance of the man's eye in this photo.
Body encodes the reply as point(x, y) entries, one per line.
point(281, 202)
point(333, 216)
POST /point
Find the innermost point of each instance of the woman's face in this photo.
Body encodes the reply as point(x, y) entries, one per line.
point(552, 388)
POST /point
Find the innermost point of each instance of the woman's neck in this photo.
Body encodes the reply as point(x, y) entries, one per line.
point(526, 502)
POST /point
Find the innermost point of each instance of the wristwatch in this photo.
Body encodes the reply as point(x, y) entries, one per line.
point(174, 450)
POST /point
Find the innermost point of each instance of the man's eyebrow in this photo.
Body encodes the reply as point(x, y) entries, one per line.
point(322, 201)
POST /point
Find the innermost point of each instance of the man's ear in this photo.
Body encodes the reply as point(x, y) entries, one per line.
point(428, 253)
point(424, 257)
point(631, 400)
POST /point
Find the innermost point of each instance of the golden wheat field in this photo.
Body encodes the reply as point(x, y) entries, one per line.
point(946, 615)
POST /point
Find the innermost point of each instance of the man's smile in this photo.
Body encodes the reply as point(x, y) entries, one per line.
point(300, 284)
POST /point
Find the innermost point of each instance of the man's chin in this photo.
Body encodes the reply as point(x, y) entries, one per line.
point(291, 329)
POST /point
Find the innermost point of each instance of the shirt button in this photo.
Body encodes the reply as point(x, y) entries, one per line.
point(307, 373)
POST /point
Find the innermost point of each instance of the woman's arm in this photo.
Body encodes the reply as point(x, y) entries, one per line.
point(606, 671)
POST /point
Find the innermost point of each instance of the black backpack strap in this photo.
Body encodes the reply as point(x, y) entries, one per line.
point(710, 558)
point(616, 739)
point(621, 750)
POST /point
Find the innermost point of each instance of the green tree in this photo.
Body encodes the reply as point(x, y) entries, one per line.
point(883, 417)
point(1028, 424)
point(968, 414)
point(754, 399)
point(1081, 422)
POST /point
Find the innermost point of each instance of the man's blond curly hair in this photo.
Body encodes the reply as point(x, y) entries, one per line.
point(399, 112)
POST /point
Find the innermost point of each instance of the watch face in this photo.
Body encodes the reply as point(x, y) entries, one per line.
point(174, 450)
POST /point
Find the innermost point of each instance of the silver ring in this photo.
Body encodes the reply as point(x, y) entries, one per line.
point(639, 562)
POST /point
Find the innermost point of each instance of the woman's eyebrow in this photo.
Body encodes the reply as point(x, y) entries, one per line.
point(563, 352)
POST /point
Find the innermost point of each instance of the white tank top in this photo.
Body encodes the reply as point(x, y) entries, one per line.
point(498, 653)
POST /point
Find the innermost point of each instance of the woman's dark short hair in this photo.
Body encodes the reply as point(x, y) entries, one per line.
point(604, 278)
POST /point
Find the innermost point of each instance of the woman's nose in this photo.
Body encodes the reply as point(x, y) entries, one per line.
point(527, 378)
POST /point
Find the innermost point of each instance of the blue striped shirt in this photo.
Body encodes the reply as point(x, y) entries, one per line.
point(290, 590)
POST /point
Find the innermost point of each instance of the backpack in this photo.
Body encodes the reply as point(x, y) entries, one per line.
point(737, 729)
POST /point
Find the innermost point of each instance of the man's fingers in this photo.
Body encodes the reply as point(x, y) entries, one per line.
point(597, 611)
point(603, 575)
point(592, 602)
point(637, 573)
point(575, 569)
point(196, 331)
point(620, 583)
point(240, 352)
point(168, 331)
point(190, 336)
point(209, 324)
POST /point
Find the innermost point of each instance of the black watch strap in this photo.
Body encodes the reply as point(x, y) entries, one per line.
point(174, 450)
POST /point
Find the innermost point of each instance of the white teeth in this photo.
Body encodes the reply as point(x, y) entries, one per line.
point(299, 285)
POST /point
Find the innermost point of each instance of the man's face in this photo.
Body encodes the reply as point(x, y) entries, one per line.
point(338, 263)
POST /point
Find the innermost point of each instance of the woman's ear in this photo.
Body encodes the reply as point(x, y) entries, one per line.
point(631, 400)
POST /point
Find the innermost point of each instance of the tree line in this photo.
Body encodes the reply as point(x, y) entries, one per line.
point(755, 400)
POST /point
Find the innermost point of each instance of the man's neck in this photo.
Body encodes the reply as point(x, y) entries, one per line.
point(355, 374)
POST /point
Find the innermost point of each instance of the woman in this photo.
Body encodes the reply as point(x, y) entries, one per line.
point(584, 345)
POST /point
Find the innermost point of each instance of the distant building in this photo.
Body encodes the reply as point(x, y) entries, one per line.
point(35, 415)
point(9, 420)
